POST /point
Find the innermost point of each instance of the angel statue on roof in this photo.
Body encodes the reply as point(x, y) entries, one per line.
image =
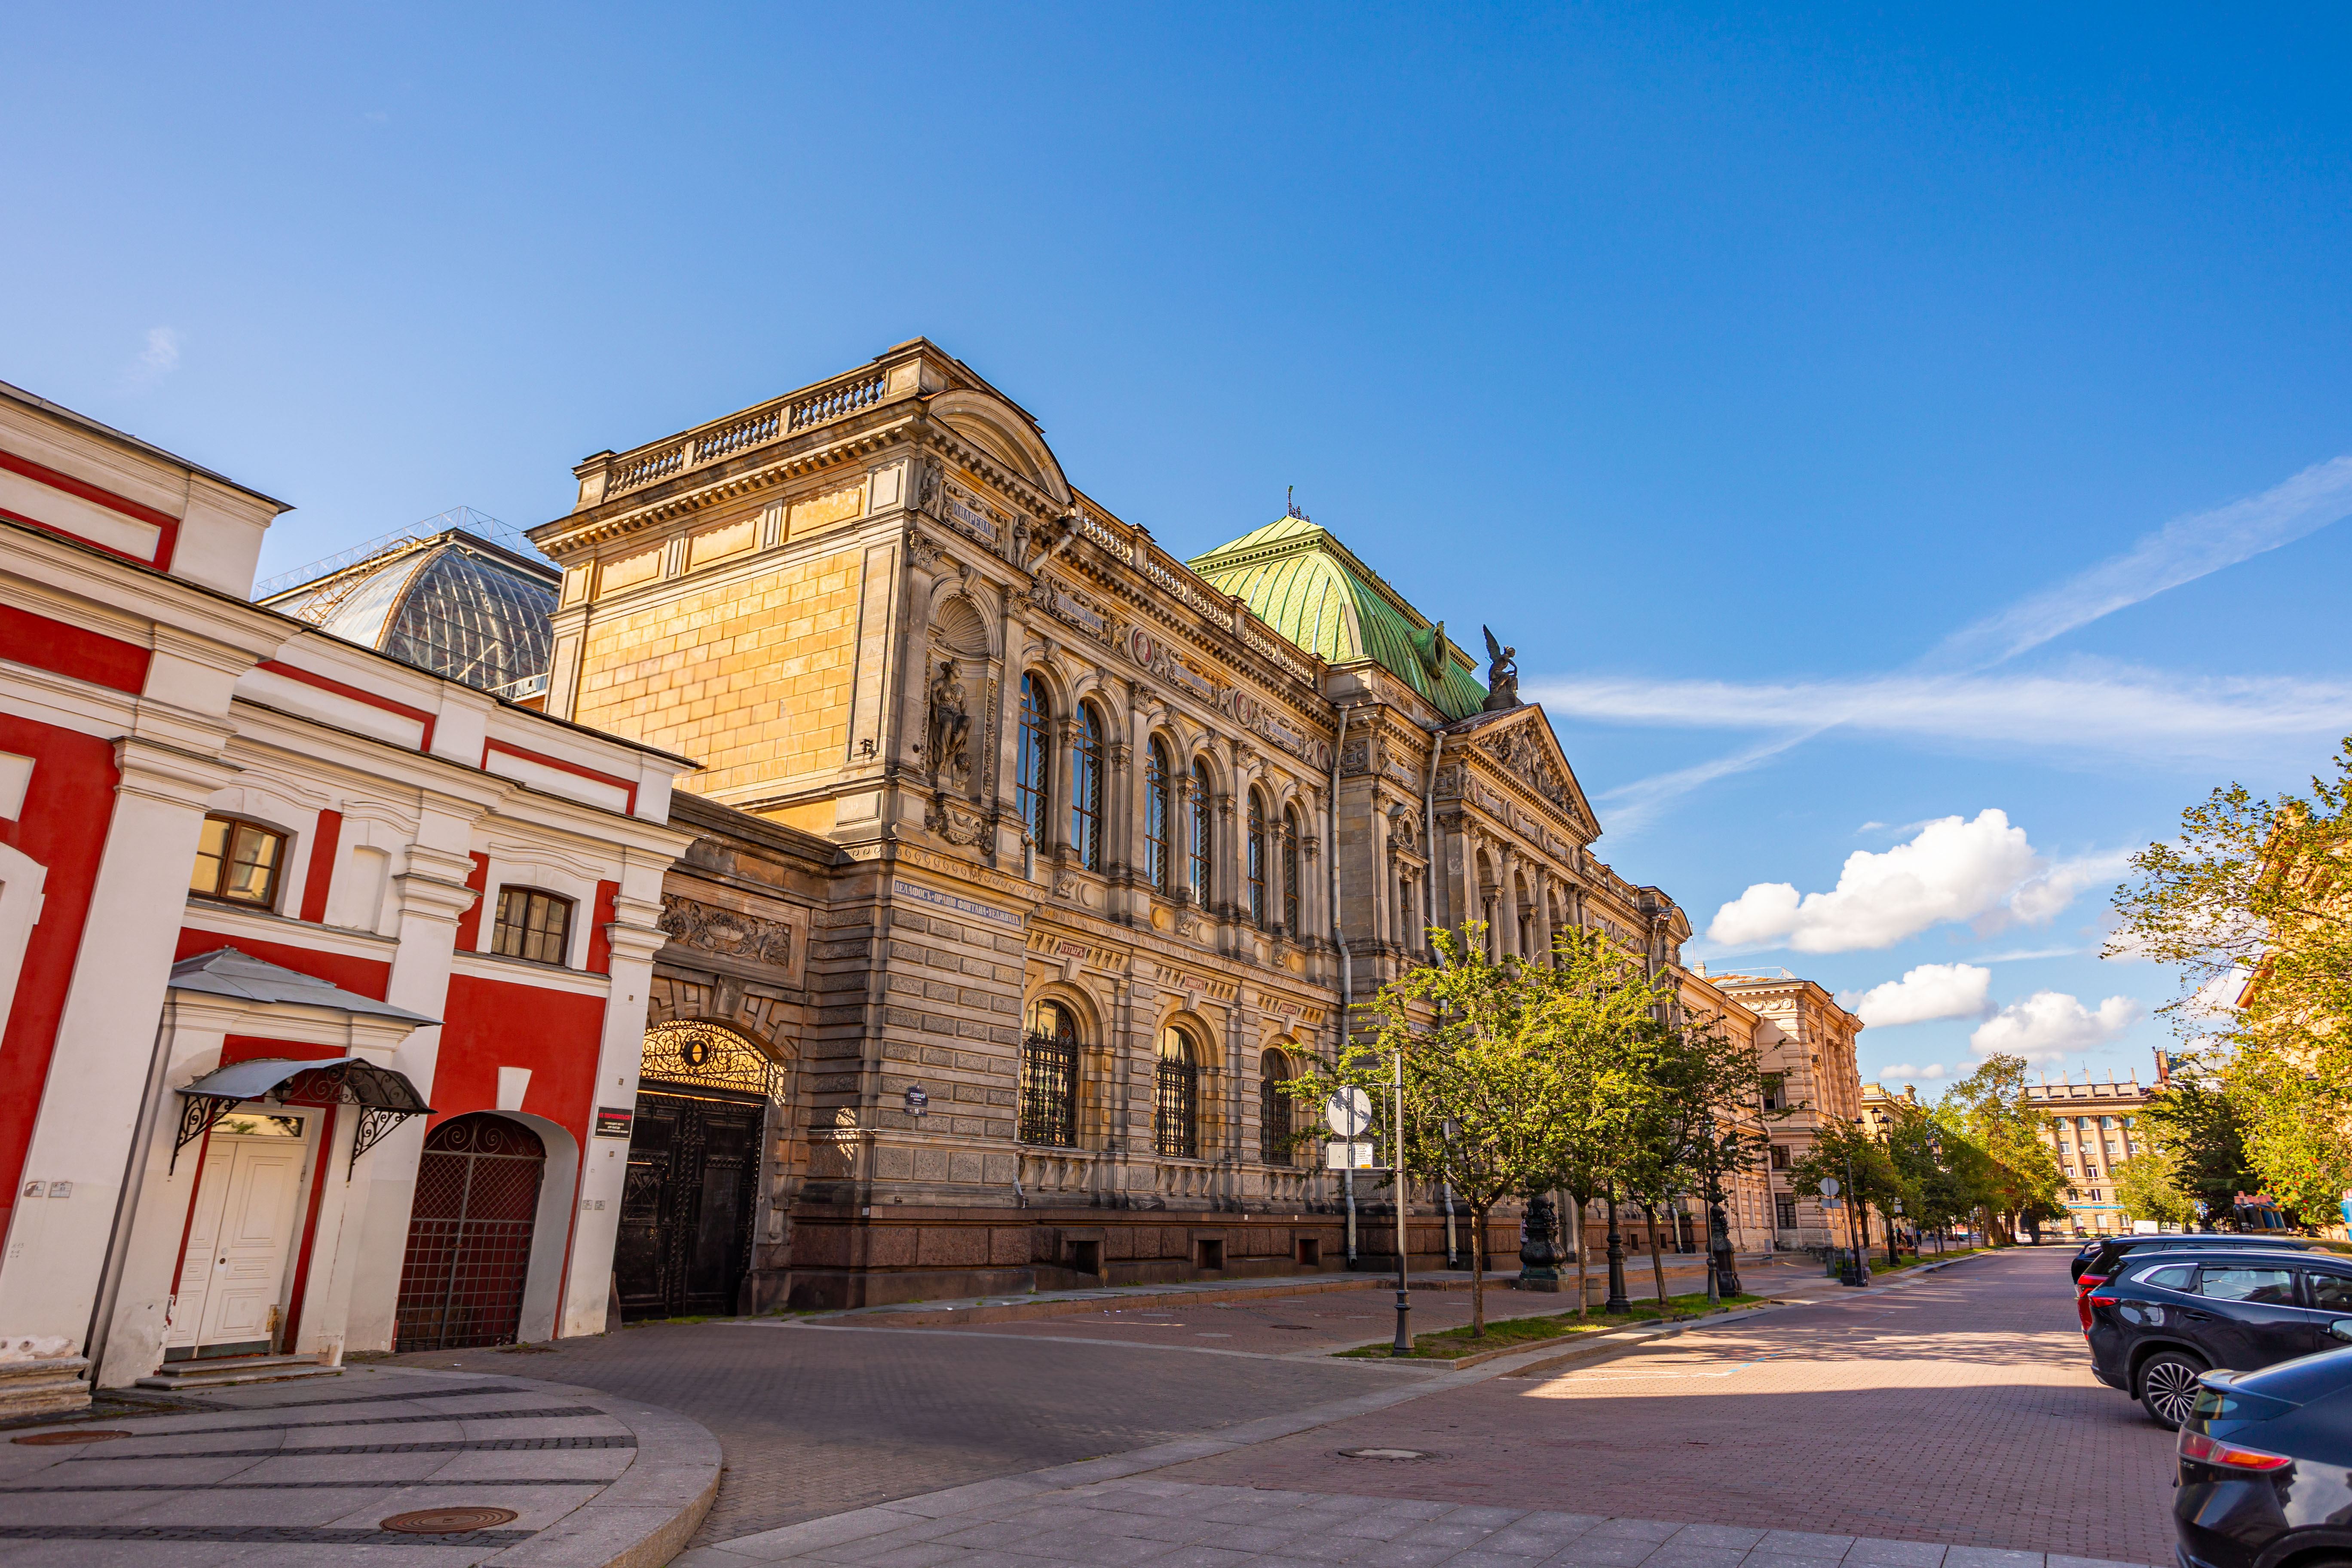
point(1502, 675)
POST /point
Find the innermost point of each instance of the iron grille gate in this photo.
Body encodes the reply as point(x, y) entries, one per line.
point(1176, 1106)
point(1049, 1090)
point(470, 1235)
point(688, 1203)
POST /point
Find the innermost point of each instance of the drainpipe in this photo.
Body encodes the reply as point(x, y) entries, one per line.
point(1347, 974)
point(1429, 838)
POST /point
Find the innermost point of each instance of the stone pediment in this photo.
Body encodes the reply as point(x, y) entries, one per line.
point(1519, 741)
point(999, 429)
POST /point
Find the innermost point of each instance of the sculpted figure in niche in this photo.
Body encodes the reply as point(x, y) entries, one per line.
point(1502, 675)
point(951, 728)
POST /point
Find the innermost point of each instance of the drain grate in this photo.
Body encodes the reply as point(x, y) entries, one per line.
point(447, 1520)
point(56, 1439)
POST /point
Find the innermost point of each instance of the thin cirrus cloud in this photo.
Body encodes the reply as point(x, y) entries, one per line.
point(2050, 1025)
point(159, 359)
point(1946, 694)
point(1984, 871)
point(1924, 994)
point(1930, 1071)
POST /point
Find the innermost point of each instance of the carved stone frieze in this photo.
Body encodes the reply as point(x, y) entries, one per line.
point(1527, 759)
point(727, 933)
point(954, 821)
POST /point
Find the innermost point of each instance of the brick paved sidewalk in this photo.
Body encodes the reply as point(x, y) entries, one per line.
point(1152, 1523)
point(300, 1473)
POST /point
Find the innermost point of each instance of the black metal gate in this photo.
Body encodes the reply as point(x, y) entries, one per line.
point(469, 1233)
point(686, 1208)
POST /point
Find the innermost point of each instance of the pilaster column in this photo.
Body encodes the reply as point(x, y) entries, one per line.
point(1507, 904)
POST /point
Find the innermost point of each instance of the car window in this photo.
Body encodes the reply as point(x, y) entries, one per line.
point(2240, 1282)
point(2169, 1276)
point(2331, 1292)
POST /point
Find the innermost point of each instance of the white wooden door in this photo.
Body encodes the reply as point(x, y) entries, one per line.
point(238, 1240)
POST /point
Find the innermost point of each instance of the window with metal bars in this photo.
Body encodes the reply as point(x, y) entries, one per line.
point(1256, 850)
point(532, 925)
point(1203, 832)
point(1086, 788)
point(1156, 785)
point(1029, 782)
point(1290, 871)
point(1274, 1108)
point(1176, 1098)
point(1049, 1077)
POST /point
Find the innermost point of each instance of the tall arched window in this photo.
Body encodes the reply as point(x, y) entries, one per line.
point(1176, 1097)
point(1274, 1108)
point(1203, 831)
point(1290, 831)
point(1156, 785)
point(1257, 849)
point(1049, 1077)
point(1086, 788)
point(1029, 784)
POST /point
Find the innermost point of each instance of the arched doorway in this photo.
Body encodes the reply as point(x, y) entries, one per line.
point(470, 1235)
point(687, 1207)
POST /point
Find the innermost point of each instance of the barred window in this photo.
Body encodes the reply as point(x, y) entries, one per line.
point(1203, 831)
point(1176, 1097)
point(1290, 832)
point(238, 862)
point(1086, 788)
point(1156, 785)
point(1029, 783)
point(532, 925)
point(1049, 1077)
point(1274, 1108)
point(1256, 858)
point(1405, 934)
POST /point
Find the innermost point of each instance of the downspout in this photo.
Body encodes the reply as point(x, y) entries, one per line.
point(1429, 912)
point(1347, 974)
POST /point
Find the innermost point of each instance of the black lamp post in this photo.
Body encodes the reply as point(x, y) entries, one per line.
point(1618, 1305)
point(1403, 1345)
point(1857, 1272)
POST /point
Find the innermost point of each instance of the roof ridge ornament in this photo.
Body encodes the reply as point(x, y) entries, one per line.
point(1291, 504)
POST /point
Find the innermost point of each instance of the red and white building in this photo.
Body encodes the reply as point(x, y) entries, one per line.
point(265, 895)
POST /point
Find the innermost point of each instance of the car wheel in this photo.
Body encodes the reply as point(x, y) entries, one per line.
point(2168, 1387)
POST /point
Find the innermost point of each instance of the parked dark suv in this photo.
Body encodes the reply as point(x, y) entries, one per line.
point(2101, 1253)
point(2169, 1316)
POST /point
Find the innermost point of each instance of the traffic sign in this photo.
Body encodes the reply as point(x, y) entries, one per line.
point(1348, 1112)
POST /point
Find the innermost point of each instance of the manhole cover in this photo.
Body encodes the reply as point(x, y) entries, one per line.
point(448, 1521)
point(1296, 1328)
point(51, 1439)
point(1382, 1454)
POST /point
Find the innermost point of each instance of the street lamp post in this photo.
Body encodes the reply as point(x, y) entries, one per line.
point(1858, 1273)
point(1617, 1305)
point(1403, 1345)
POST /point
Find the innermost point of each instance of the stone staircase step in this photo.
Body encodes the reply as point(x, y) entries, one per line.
point(228, 1371)
point(50, 1386)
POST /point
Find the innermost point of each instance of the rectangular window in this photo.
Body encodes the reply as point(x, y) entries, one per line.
point(1780, 1156)
point(1786, 1210)
point(2274, 1287)
point(531, 925)
point(1773, 1089)
point(237, 861)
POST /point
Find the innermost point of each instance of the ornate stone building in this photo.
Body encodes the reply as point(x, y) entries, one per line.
point(1031, 856)
point(1805, 1047)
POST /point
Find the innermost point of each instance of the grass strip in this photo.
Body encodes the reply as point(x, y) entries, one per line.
point(1447, 1345)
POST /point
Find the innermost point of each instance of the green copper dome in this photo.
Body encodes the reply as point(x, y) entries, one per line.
point(1300, 580)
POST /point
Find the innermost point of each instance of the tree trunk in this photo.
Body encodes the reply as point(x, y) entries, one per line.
point(1657, 1262)
point(1478, 1273)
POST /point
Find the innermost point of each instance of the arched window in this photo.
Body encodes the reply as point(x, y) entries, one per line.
point(1156, 785)
point(1086, 788)
point(1049, 1077)
point(1256, 858)
point(239, 860)
point(1273, 1108)
point(1203, 831)
point(1290, 871)
point(1176, 1097)
point(1029, 784)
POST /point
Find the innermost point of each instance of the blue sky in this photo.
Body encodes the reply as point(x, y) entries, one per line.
point(1732, 363)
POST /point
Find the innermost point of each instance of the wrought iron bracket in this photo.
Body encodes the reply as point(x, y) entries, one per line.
point(199, 1113)
point(376, 1123)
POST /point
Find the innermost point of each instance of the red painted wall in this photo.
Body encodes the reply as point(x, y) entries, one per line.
point(497, 1023)
point(367, 976)
point(52, 644)
point(66, 814)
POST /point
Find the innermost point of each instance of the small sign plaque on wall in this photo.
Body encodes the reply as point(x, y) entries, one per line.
point(613, 1123)
point(918, 1102)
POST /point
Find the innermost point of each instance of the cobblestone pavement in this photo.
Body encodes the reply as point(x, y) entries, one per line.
point(301, 1473)
point(1959, 1409)
point(815, 1420)
point(1149, 1522)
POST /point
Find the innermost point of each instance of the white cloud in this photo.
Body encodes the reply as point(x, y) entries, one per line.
point(1953, 870)
point(1930, 992)
point(2048, 1024)
point(159, 359)
point(1904, 1073)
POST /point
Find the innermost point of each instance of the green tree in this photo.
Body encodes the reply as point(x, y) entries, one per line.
point(2251, 903)
point(2200, 1130)
point(2017, 1174)
point(1866, 1173)
point(1517, 1058)
point(1705, 1088)
point(2147, 1185)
